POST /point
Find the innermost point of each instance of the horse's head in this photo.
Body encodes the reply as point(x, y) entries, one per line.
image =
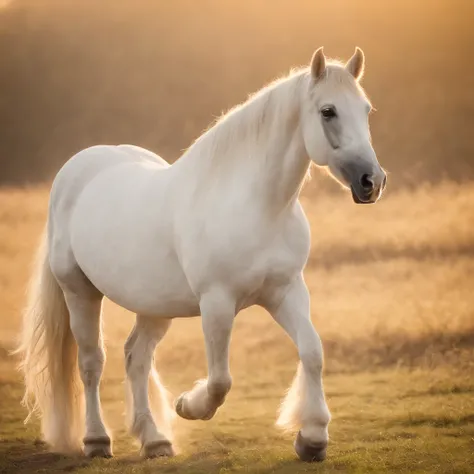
point(336, 127)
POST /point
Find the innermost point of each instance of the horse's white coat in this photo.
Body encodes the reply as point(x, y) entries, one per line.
point(218, 231)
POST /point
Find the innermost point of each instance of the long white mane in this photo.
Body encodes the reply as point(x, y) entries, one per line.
point(254, 128)
point(252, 123)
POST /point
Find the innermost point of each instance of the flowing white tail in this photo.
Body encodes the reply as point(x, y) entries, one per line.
point(49, 360)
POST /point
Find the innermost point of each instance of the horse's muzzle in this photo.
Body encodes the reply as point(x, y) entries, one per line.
point(367, 188)
point(361, 197)
point(365, 180)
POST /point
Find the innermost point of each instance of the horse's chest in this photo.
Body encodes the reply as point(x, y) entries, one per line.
point(273, 267)
point(281, 254)
point(281, 262)
point(247, 262)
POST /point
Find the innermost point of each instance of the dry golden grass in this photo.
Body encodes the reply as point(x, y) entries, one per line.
point(392, 298)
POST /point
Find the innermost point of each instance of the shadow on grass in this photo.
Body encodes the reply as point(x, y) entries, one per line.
point(399, 349)
point(433, 391)
point(339, 255)
point(25, 457)
point(436, 422)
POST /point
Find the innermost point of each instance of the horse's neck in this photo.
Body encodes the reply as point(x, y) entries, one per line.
point(284, 167)
point(260, 157)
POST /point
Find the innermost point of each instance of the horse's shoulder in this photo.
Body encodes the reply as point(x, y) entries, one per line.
point(297, 219)
point(296, 233)
point(292, 240)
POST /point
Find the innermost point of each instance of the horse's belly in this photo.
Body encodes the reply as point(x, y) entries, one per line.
point(153, 285)
point(165, 294)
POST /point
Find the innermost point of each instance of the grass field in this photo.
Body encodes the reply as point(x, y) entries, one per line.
point(392, 298)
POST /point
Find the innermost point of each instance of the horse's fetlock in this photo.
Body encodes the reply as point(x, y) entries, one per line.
point(140, 420)
point(218, 389)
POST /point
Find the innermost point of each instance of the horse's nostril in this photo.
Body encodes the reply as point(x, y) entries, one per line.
point(366, 182)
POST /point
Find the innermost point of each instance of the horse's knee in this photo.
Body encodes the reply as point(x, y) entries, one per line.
point(146, 333)
point(127, 353)
point(312, 359)
point(128, 361)
point(128, 346)
point(137, 363)
point(91, 362)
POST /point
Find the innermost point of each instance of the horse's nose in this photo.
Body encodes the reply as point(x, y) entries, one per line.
point(384, 181)
point(367, 183)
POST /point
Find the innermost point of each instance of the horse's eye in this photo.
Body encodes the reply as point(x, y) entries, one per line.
point(328, 113)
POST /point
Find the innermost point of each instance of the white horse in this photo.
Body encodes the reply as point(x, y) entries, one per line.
point(218, 231)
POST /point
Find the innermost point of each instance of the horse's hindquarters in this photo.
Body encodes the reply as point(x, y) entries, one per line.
point(119, 230)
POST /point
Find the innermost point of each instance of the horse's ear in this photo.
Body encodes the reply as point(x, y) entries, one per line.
point(318, 64)
point(356, 64)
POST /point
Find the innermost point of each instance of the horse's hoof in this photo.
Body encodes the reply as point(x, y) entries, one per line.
point(179, 407)
point(181, 410)
point(97, 447)
point(209, 415)
point(157, 449)
point(310, 452)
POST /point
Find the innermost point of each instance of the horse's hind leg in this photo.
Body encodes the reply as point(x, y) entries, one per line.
point(85, 321)
point(139, 349)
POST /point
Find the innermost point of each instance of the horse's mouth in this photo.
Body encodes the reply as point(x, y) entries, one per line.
point(361, 200)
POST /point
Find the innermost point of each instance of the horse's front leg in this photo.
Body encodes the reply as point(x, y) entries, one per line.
point(202, 402)
point(304, 407)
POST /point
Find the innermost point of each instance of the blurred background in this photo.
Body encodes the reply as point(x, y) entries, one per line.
point(77, 73)
point(391, 284)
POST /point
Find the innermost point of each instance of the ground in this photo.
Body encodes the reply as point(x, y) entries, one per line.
point(392, 299)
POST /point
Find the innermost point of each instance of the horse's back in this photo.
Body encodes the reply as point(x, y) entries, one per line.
point(80, 170)
point(143, 154)
point(86, 164)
